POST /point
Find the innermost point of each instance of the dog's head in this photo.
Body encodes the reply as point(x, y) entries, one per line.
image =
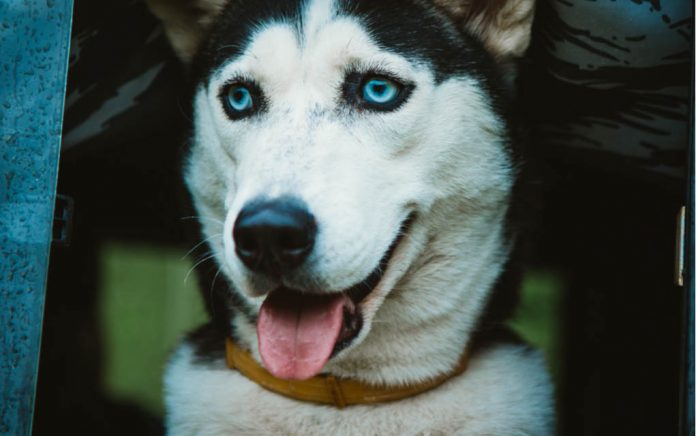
point(352, 171)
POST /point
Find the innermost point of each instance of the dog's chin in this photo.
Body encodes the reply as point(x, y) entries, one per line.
point(349, 300)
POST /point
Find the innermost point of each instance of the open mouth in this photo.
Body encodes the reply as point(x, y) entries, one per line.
point(299, 332)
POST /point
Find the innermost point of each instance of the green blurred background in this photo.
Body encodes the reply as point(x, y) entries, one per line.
point(149, 300)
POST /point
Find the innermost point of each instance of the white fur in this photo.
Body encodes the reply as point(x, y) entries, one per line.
point(504, 392)
point(442, 155)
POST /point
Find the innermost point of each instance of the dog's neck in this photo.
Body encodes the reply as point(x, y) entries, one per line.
point(331, 390)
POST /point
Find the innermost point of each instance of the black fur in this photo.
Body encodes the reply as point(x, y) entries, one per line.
point(418, 30)
point(208, 344)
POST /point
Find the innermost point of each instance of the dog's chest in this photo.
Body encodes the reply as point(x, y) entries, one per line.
point(492, 397)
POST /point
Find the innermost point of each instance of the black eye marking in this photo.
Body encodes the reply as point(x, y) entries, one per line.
point(241, 99)
point(375, 91)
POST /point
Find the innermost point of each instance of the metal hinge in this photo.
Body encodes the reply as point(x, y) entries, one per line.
point(680, 244)
point(63, 221)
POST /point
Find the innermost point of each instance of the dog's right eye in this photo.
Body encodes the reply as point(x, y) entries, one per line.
point(240, 100)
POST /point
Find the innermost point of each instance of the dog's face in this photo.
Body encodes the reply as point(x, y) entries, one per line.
point(351, 171)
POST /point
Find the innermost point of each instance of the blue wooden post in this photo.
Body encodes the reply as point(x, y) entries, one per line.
point(34, 43)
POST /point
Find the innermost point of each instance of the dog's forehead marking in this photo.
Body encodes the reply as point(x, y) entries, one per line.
point(318, 13)
point(279, 43)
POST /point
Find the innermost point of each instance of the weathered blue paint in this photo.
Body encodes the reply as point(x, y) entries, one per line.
point(34, 41)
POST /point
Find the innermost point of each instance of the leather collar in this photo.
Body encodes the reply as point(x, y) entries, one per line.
point(328, 389)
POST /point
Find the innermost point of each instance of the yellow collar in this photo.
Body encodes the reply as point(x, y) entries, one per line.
point(328, 389)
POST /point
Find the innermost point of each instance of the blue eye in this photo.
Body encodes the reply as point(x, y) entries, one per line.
point(239, 98)
point(380, 91)
point(374, 91)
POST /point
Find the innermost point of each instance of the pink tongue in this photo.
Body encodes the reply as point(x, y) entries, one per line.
point(297, 332)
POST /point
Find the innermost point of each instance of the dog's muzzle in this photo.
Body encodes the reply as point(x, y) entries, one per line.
point(299, 331)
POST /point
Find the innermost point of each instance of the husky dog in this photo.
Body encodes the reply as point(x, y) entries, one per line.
point(353, 171)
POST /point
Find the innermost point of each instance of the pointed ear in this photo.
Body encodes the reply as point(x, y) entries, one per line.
point(503, 26)
point(185, 22)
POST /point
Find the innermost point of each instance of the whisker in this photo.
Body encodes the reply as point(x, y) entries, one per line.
point(182, 111)
point(212, 289)
point(206, 258)
point(197, 218)
point(228, 46)
point(199, 244)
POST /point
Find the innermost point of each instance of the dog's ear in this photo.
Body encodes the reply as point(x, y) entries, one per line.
point(504, 26)
point(185, 22)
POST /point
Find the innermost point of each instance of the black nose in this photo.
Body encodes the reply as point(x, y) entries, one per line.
point(274, 236)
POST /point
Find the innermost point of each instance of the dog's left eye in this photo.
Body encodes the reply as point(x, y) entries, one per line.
point(239, 98)
point(380, 91)
point(375, 92)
